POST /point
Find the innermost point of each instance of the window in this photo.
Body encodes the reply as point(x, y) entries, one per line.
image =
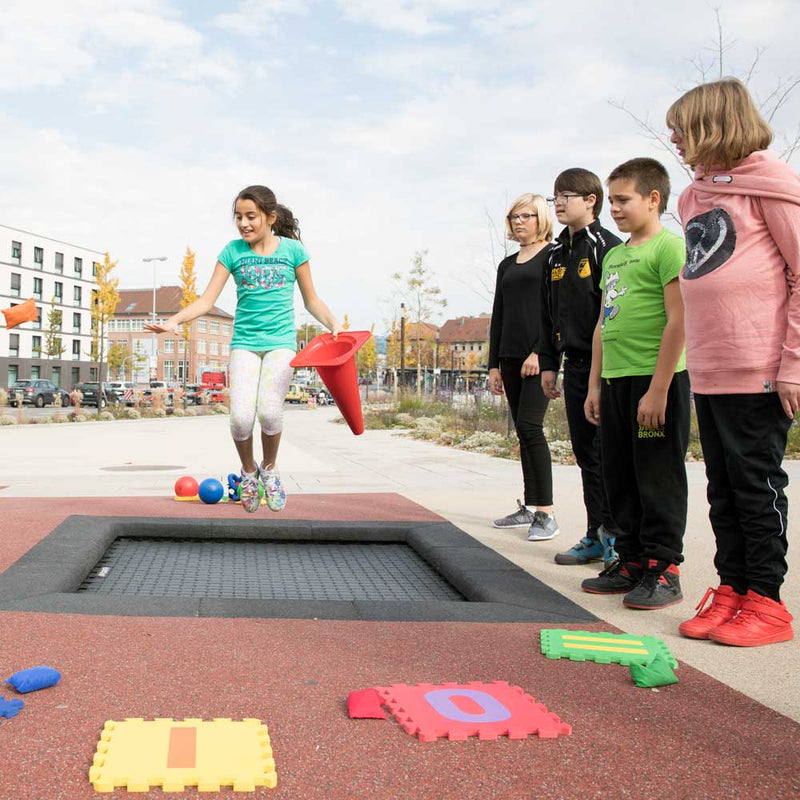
point(38, 323)
point(59, 263)
point(13, 374)
point(169, 345)
point(38, 257)
point(76, 349)
point(226, 349)
point(13, 345)
point(226, 329)
point(76, 322)
point(92, 373)
point(35, 371)
point(76, 295)
point(215, 327)
point(95, 266)
point(169, 370)
point(37, 288)
point(201, 345)
point(59, 291)
point(16, 284)
point(201, 326)
point(36, 346)
point(58, 347)
point(56, 375)
point(16, 252)
point(181, 346)
point(78, 265)
point(213, 348)
point(76, 375)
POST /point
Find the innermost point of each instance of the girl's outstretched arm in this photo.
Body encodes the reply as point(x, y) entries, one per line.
point(201, 306)
point(312, 301)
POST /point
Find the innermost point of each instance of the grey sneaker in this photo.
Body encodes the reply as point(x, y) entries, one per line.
point(521, 518)
point(248, 492)
point(543, 527)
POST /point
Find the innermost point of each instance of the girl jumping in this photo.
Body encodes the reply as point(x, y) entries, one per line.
point(265, 262)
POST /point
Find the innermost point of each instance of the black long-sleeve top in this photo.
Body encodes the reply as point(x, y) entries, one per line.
point(515, 326)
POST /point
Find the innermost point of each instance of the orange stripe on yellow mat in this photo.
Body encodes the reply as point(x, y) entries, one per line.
point(182, 751)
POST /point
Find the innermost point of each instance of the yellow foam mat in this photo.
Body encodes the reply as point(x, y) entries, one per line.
point(173, 754)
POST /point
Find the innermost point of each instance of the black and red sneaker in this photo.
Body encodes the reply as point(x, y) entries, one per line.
point(659, 587)
point(617, 578)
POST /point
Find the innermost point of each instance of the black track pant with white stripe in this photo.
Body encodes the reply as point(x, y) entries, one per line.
point(744, 440)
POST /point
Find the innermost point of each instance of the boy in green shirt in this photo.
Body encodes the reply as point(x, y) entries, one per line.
point(639, 387)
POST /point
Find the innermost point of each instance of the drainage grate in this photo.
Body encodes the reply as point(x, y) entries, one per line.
point(266, 570)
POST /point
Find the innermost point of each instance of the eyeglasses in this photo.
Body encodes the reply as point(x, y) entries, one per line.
point(521, 217)
point(562, 198)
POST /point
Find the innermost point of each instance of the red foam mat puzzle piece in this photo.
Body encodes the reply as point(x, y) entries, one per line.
point(458, 711)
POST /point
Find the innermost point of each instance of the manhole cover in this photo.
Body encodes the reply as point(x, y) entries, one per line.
point(267, 570)
point(142, 467)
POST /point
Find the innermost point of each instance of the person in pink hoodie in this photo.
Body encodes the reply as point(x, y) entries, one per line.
point(741, 217)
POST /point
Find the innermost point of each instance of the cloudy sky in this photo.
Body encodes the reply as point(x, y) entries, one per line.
point(387, 126)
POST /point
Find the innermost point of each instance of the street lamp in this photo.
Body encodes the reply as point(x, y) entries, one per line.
point(153, 320)
point(402, 343)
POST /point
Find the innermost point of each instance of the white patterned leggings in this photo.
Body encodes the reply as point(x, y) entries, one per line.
point(258, 387)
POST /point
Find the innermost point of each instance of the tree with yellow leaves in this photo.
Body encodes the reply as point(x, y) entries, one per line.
point(188, 295)
point(104, 303)
point(367, 356)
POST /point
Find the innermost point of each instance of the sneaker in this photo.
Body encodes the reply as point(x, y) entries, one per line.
point(617, 578)
point(607, 540)
point(248, 492)
point(725, 603)
point(543, 527)
point(659, 587)
point(273, 488)
point(761, 620)
point(586, 550)
point(521, 518)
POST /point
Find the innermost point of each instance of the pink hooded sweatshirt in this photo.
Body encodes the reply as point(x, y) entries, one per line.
point(742, 229)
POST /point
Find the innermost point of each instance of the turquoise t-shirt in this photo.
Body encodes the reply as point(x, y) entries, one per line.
point(264, 294)
point(634, 316)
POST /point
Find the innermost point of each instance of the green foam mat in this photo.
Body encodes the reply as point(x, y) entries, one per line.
point(604, 648)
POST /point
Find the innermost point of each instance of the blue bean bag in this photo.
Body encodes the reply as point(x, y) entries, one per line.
point(29, 680)
point(10, 708)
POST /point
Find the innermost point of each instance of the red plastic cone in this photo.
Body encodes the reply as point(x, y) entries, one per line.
point(334, 360)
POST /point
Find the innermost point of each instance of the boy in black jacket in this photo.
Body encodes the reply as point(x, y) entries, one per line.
point(570, 307)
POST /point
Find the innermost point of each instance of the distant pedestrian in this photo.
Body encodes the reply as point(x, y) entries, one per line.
point(570, 307)
point(639, 392)
point(265, 262)
point(514, 360)
point(741, 214)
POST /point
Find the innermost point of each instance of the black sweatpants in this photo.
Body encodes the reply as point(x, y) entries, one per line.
point(528, 405)
point(744, 440)
point(645, 470)
point(586, 444)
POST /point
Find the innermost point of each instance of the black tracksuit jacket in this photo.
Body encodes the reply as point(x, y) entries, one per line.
point(571, 293)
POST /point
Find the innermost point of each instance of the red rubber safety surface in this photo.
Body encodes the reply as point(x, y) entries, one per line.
point(696, 739)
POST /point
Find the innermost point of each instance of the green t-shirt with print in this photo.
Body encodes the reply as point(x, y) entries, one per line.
point(634, 315)
point(264, 294)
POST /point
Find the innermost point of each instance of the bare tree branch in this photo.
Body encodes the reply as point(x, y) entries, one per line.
point(795, 82)
point(749, 76)
point(791, 147)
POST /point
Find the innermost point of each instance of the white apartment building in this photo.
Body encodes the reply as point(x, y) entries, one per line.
point(54, 272)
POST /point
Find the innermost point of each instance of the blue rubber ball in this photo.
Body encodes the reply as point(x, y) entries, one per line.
point(210, 491)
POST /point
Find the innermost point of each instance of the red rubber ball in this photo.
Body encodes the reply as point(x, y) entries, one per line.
point(186, 486)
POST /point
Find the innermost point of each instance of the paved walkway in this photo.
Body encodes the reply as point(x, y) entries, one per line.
point(143, 458)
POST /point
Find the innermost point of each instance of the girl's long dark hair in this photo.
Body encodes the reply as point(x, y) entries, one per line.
point(285, 225)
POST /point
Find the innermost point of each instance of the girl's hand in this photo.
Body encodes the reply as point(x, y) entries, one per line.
point(549, 384)
point(789, 394)
point(336, 330)
point(791, 279)
point(652, 410)
point(530, 366)
point(495, 381)
point(168, 327)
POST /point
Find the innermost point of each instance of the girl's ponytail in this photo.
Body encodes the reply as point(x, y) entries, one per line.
point(286, 224)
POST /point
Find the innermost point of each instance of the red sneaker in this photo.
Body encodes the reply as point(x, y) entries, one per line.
point(724, 605)
point(761, 620)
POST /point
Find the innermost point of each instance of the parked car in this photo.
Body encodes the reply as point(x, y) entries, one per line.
point(124, 390)
point(296, 394)
point(34, 392)
point(91, 391)
point(321, 396)
point(66, 397)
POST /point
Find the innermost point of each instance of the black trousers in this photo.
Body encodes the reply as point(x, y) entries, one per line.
point(744, 440)
point(528, 405)
point(586, 444)
point(645, 470)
